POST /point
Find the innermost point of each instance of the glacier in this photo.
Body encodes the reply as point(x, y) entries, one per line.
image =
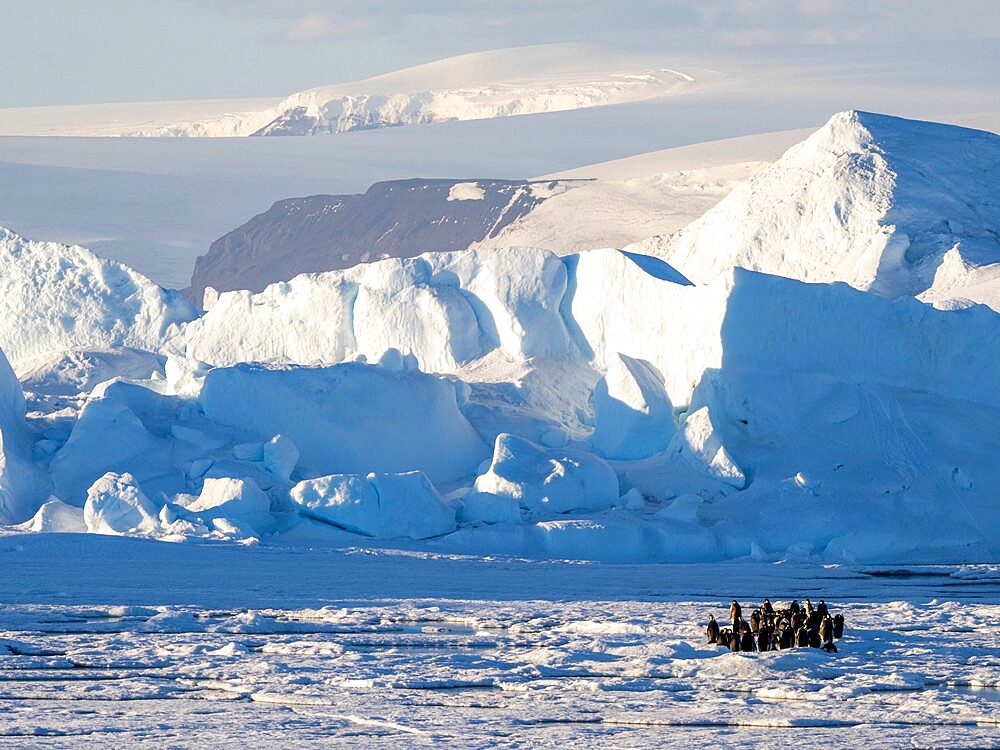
point(805, 385)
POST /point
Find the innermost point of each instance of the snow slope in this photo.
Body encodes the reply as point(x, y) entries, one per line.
point(624, 201)
point(583, 215)
point(872, 200)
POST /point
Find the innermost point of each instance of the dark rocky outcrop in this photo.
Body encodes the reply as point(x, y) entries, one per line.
point(400, 218)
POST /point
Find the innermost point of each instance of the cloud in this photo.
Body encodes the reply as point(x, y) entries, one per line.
point(796, 21)
point(487, 23)
point(315, 26)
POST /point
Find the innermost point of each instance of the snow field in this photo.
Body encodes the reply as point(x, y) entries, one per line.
point(305, 658)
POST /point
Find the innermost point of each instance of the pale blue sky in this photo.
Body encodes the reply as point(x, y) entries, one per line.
point(70, 52)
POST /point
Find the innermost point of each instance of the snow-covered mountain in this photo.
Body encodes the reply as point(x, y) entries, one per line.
point(483, 85)
point(900, 207)
point(158, 203)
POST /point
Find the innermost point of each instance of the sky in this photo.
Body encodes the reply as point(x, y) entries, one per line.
point(71, 52)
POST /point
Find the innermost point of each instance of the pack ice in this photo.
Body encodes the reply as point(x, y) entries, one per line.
point(598, 405)
point(56, 298)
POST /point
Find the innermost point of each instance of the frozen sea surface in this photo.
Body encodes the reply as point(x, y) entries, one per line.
point(121, 642)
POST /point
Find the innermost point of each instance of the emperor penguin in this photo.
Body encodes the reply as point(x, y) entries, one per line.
point(712, 631)
point(826, 629)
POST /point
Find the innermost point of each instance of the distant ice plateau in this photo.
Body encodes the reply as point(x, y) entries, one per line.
point(483, 85)
point(328, 110)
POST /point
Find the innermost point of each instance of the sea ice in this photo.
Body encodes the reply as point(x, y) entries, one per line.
point(116, 505)
point(382, 505)
point(350, 418)
point(547, 480)
point(236, 501)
